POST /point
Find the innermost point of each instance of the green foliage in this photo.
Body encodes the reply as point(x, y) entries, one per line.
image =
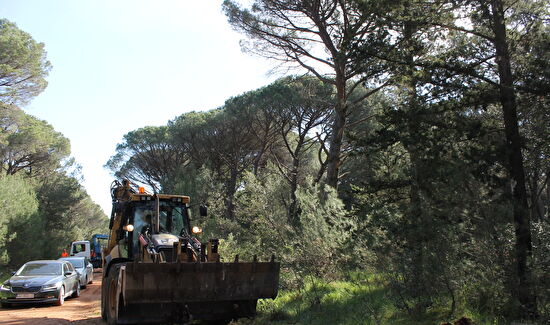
point(42, 209)
point(23, 65)
point(427, 190)
point(28, 144)
point(67, 213)
point(362, 298)
point(261, 228)
point(147, 155)
point(39, 196)
point(63, 212)
point(18, 208)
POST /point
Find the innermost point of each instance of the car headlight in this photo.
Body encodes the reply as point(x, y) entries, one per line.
point(6, 286)
point(49, 287)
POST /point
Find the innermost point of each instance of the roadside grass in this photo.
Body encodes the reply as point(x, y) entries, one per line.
point(361, 300)
point(4, 274)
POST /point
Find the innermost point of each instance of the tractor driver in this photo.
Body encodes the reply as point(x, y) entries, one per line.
point(146, 222)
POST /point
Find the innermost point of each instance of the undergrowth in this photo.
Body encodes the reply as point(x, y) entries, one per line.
point(362, 299)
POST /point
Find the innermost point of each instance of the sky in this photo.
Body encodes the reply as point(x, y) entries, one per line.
point(126, 64)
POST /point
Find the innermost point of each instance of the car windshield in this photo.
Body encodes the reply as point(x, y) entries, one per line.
point(77, 263)
point(40, 269)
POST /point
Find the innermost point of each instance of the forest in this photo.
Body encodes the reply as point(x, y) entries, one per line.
point(43, 206)
point(404, 153)
point(398, 169)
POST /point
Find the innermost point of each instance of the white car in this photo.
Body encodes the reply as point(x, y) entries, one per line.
point(84, 268)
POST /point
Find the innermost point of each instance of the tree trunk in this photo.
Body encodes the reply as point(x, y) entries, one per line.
point(522, 222)
point(293, 209)
point(338, 127)
point(420, 225)
point(230, 192)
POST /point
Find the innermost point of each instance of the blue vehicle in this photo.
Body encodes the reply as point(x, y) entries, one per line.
point(97, 244)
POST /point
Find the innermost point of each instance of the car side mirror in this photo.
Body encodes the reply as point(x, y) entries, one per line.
point(203, 210)
point(13, 273)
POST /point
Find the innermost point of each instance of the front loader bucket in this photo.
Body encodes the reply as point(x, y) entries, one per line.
point(155, 293)
point(199, 282)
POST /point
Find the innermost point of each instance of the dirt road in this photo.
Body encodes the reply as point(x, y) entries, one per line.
point(84, 310)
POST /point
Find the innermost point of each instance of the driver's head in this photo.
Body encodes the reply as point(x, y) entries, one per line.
point(148, 219)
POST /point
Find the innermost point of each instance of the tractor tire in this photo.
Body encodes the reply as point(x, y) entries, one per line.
point(111, 299)
point(103, 302)
point(104, 289)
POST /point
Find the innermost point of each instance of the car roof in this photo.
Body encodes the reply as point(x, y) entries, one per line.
point(71, 258)
point(44, 262)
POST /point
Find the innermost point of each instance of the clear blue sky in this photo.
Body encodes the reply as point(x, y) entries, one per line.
point(119, 65)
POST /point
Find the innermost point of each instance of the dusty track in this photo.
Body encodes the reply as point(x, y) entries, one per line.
point(84, 310)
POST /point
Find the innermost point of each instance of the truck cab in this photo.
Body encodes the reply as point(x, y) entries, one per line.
point(80, 248)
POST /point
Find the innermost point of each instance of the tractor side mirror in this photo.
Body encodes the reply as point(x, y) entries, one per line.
point(203, 210)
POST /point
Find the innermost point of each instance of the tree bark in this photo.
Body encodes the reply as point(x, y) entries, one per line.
point(230, 193)
point(338, 127)
point(522, 222)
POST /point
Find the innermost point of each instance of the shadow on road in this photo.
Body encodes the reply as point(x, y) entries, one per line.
point(53, 321)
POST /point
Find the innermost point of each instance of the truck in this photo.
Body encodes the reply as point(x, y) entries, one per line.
point(97, 243)
point(91, 249)
point(156, 270)
point(80, 248)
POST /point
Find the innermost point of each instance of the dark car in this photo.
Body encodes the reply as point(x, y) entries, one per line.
point(41, 282)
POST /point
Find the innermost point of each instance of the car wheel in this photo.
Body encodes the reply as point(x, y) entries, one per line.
point(76, 291)
point(83, 286)
point(60, 297)
point(91, 278)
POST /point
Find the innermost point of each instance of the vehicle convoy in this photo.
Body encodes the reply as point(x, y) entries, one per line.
point(155, 271)
point(45, 281)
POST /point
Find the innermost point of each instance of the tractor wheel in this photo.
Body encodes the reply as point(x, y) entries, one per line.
point(111, 298)
point(103, 300)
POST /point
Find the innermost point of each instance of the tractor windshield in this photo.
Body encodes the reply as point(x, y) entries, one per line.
point(172, 218)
